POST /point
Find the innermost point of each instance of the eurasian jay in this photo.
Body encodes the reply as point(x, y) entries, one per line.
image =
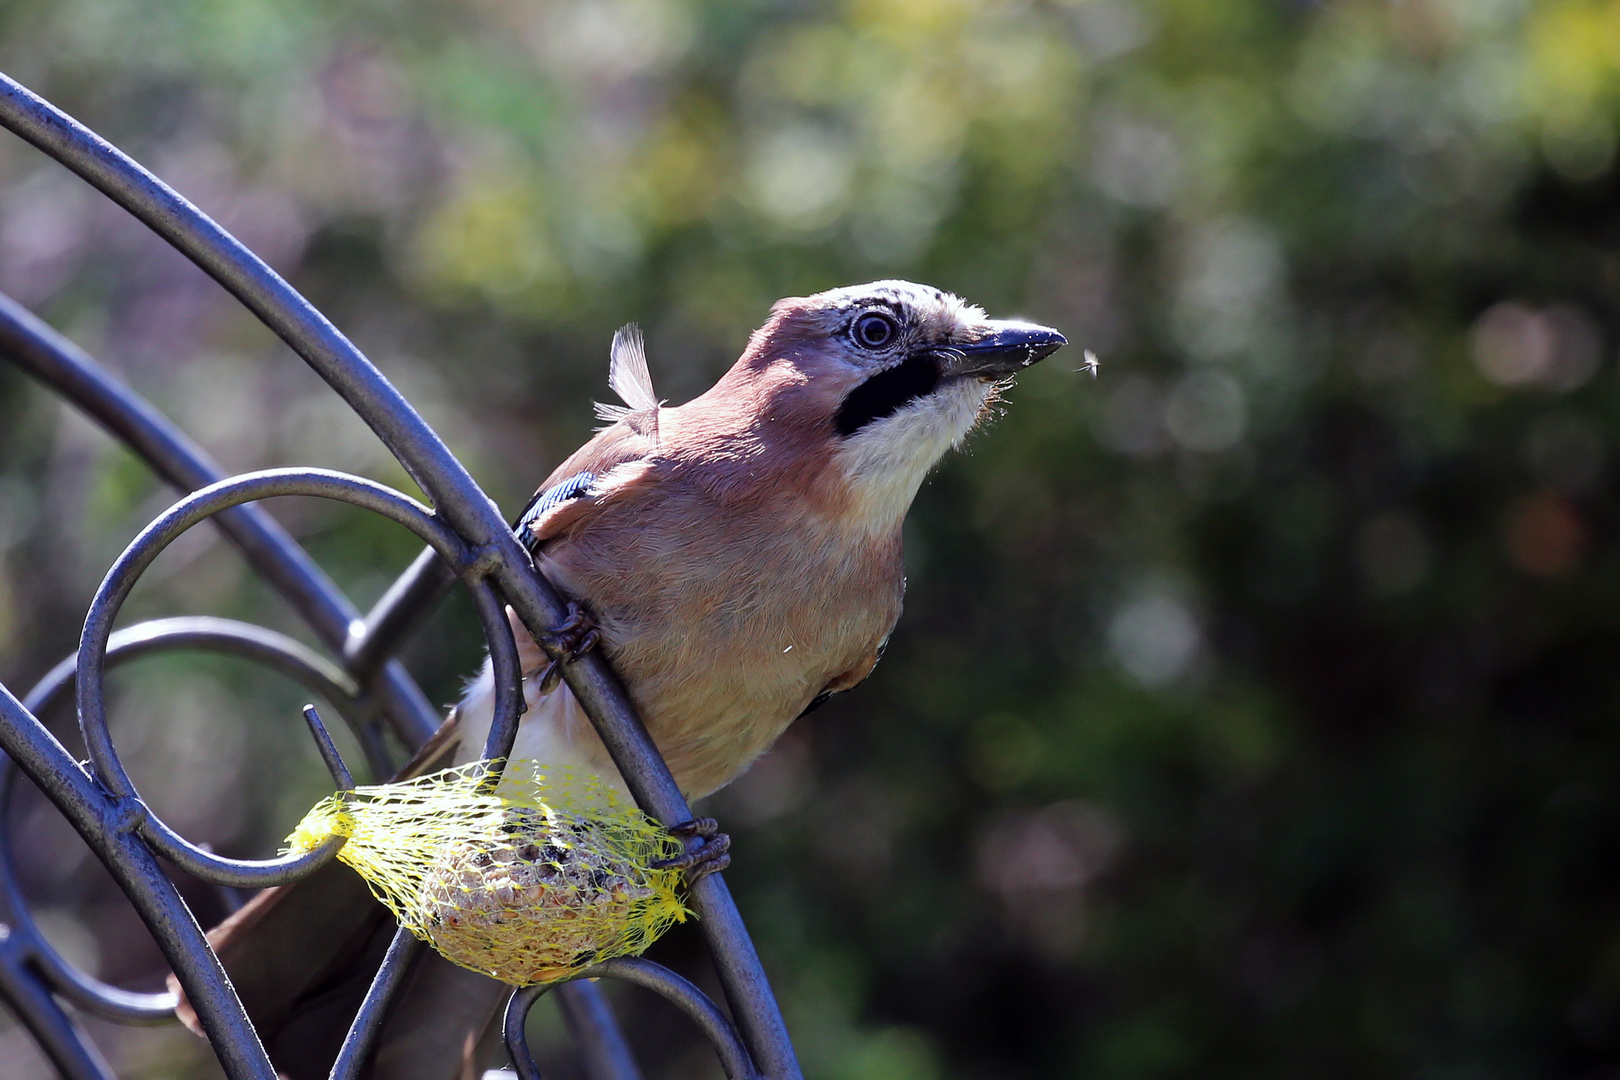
point(736, 558)
point(740, 553)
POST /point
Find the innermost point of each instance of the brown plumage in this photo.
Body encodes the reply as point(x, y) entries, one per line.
point(740, 555)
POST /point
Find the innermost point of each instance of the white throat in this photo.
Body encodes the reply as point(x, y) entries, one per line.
point(886, 461)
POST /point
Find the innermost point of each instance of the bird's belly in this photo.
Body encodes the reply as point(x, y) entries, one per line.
point(721, 655)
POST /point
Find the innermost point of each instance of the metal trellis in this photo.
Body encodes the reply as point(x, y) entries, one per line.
point(468, 542)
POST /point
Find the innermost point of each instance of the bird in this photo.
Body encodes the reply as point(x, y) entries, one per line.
point(740, 555)
point(738, 561)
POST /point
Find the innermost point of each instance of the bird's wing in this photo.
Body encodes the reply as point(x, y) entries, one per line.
point(848, 680)
point(549, 499)
point(616, 460)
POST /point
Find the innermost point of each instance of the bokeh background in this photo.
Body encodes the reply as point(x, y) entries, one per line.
point(1254, 711)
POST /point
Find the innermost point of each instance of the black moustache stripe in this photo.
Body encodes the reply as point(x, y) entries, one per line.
point(887, 392)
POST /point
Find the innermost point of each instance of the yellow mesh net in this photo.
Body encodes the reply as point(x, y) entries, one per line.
point(532, 882)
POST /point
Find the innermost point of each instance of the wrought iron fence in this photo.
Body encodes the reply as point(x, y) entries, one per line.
point(468, 542)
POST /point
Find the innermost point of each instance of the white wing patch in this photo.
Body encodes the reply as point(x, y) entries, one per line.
point(630, 379)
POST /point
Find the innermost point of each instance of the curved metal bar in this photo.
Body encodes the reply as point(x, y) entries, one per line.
point(517, 1040)
point(31, 947)
point(284, 654)
point(199, 632)
point(183, 515)
point(54, 1030)
point(115, 588)
point(276, 651)
point(105, 820)
point(265, 293)
point(97, 998)
point(65, 368)
point(260, 289)
point(129, 1007)
point(460, 501)
point(689, 999)
point(679, 991)
point(503, 655)
point(237, 873)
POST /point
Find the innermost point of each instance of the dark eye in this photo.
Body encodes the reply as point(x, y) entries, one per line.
point(874, 331)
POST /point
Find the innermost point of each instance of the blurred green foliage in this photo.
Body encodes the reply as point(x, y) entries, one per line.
point(1253, 712)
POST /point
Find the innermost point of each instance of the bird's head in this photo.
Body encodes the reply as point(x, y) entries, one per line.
point(885, 377)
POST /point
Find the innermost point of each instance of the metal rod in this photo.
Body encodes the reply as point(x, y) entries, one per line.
point(462, 504)
point(54, 1030)
point(596, 1031)
point(276, 651)
point(374, 1009)
point(68, 370)
point(188, 512)
point(28, 946)
point(329, 751)
point(262, 291)
point(679, 991)
point(503, 655)
point(512, 1024)
point(689, 999)
point(104, 821)
point(204, 865)
point(191, 510)
point(400, 610)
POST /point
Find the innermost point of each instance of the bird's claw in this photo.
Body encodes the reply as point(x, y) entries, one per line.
point(567, 642)
point(574, 636)
point(713, 856)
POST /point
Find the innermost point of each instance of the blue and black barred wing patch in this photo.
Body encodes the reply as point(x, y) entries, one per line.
point(575, 487)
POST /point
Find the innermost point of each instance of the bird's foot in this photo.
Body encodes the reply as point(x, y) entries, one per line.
point(712, 857)
point(567, 642)
point(574, 637)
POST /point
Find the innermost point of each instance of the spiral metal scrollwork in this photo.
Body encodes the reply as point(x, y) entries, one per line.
point(467, 541)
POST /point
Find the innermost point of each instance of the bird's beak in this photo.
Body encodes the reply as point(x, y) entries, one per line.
point(1003, 348)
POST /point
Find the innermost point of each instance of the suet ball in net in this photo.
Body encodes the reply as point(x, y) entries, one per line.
point(531, 882)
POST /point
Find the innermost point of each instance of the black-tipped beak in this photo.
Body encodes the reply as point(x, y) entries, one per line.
point(1005, 348)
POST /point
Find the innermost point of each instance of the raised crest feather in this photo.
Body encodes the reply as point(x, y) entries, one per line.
point(630, 379)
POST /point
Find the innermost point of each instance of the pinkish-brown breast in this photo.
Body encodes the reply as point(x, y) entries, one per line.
point(725, 627)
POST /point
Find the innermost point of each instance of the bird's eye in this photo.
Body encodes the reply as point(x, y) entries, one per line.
point(874, 331)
